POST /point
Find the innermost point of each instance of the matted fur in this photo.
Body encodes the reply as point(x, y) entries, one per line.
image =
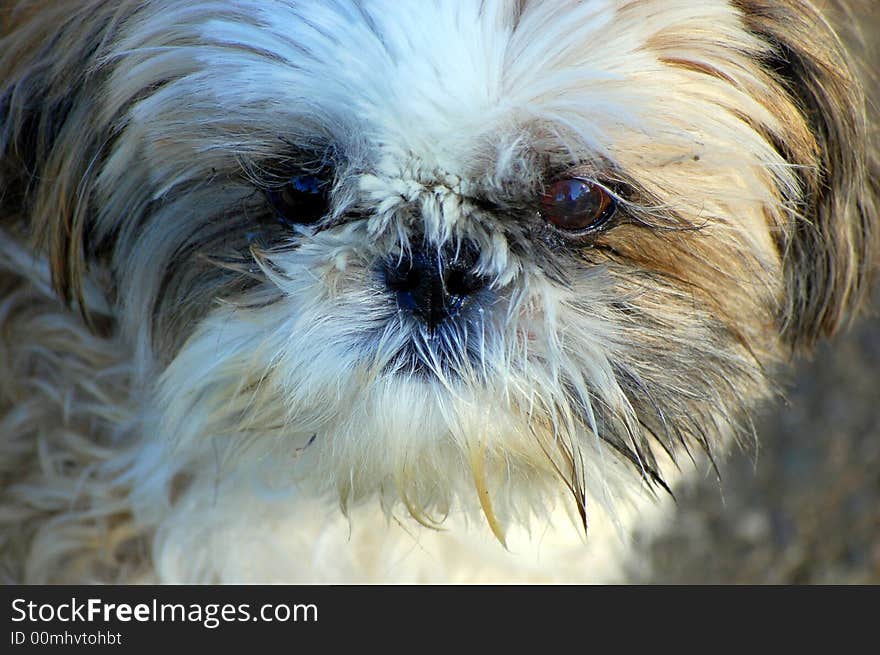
point(227, 399)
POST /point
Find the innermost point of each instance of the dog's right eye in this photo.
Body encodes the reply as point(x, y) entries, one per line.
point(302, 200)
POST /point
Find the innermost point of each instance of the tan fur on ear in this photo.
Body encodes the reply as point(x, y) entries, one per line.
point(830, 245)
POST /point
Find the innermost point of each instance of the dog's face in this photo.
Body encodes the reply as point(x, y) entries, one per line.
point(414, 249)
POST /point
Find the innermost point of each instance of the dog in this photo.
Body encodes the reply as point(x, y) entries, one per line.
point(369, 291)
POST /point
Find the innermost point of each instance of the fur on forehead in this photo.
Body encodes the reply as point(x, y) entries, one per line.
point(427, 87)
point(455, 86)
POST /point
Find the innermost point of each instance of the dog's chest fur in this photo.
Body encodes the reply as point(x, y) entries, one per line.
point(75, 437)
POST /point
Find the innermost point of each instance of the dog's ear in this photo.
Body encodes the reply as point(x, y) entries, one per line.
point(49, 142)
point(829, 245)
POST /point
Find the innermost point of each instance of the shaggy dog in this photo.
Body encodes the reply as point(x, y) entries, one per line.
point(360, 290)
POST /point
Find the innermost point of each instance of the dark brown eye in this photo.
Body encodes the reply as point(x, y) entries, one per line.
point(575, 205)
point(303, 200)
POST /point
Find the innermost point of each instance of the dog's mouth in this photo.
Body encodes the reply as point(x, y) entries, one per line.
point(449, 352)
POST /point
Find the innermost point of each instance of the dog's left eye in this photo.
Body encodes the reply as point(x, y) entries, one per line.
point(577, 205)
point(304, 199)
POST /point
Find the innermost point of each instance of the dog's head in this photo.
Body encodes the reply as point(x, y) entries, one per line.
point(414, 248)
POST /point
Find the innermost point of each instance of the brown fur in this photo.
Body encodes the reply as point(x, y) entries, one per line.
point(830, 246)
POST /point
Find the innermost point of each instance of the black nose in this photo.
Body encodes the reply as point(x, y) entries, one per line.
point(434, 286)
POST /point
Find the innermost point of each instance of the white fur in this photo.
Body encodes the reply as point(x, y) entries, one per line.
point(235, 457)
